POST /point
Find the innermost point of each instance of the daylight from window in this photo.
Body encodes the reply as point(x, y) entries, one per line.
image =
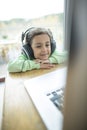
point(29, 9)
point(16, 16)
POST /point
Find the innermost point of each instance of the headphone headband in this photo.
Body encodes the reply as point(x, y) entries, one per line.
point(23, 34)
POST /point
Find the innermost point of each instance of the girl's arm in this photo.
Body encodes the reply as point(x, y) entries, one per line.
point(22, 64)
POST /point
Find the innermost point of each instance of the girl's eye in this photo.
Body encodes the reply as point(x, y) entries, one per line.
point(38, 46)
point(47, 45)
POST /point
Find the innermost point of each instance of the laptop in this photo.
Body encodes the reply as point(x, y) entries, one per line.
point(46, 92)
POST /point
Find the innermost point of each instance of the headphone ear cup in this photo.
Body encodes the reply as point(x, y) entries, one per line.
point(27, 50)
point(53, 46)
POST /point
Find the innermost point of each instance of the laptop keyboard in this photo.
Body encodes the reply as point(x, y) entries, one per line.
point(57, 97)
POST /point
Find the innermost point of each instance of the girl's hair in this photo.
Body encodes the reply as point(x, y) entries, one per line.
point(37, 31)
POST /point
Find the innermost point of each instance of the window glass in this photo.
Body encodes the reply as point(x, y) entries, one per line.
point(19, 17)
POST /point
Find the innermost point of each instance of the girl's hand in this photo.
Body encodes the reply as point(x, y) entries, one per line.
point(42, 61)
point(46, 65)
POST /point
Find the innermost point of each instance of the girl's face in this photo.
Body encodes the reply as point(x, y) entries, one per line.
point(41, 46)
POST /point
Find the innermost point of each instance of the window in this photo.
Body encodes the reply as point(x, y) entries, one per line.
point(47, 13)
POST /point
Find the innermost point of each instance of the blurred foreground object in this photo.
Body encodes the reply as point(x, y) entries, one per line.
point(75, 112)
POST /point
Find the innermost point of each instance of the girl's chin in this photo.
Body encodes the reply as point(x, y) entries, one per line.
point(43, 57)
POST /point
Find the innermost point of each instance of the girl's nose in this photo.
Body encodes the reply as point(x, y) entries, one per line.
point(43, 48)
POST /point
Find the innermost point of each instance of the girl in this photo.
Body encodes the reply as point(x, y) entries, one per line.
point(38, 51)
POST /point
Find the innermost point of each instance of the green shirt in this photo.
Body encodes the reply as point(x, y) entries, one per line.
point(22, 63)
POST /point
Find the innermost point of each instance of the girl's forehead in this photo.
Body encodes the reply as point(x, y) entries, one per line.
point(41, 36)
point(40, 40)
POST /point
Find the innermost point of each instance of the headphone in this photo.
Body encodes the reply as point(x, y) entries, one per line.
point(26, 47)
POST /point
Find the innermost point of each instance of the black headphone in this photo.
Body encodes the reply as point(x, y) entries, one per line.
point(26, 48)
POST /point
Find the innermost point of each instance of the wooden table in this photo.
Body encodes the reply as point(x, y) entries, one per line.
point(19, 112)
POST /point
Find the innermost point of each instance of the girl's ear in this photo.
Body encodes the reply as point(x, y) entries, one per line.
point(27, 50)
